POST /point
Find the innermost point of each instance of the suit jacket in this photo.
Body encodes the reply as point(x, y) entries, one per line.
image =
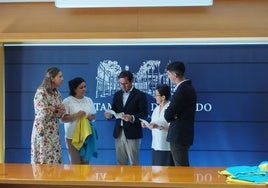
point(181, 115)
point(136, 105)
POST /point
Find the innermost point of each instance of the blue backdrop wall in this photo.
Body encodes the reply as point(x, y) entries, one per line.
point(231, 82)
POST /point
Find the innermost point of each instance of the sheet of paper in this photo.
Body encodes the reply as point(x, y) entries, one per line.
point(145, 122)
point(116, 115)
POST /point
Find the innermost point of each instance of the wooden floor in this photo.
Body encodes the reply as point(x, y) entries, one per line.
point(59, 176)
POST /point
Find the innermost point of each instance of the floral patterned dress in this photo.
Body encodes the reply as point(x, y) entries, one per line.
point(45, 140)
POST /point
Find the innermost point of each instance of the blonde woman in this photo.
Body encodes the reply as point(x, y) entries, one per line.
point(48, 107)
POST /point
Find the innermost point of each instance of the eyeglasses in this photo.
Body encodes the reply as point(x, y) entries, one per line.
point(157, 95)
point(124, 83)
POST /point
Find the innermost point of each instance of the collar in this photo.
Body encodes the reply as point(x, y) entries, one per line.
point(127, 92)
point(180, 84)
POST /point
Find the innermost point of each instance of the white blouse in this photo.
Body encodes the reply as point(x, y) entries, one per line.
point(159, 136)
point(73, 105)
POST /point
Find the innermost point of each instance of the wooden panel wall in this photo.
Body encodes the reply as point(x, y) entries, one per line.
point(22, 22)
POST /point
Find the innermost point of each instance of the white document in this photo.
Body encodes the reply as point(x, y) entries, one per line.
point(116, 115)
point(147, 124)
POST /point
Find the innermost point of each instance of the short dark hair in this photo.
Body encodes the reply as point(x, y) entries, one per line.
point(73, 84)
point(176, 67)
point(126, 74)
point(164, 90)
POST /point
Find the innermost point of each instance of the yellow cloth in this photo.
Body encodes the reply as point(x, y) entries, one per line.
point(264, 166)
point(81, 132)
point(231, 180)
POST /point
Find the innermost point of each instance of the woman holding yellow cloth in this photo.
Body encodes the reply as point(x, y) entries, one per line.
point(77, 107)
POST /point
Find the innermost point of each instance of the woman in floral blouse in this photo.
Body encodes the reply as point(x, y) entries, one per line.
point(45, 141)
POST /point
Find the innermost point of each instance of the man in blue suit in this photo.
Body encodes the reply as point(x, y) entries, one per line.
point(180, 114)
point(129, 104)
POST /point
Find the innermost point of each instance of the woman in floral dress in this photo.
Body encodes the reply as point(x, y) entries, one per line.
point(45, 140)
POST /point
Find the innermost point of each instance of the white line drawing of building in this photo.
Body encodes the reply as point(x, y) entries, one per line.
point(107, 82)
point(146, 79)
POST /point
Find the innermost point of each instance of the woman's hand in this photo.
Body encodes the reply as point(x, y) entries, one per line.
point(60, 110)
point(79, 114)
point(90, 117)
point(153, 125)
point(150, 126)
point(108, 115)
point(51, 108)
point(143, 125)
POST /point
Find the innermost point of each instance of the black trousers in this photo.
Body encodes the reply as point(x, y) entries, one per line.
point(180, 154)
point(162, 158)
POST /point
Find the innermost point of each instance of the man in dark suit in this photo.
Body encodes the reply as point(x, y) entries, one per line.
point(180, 114)
point(129, 104)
